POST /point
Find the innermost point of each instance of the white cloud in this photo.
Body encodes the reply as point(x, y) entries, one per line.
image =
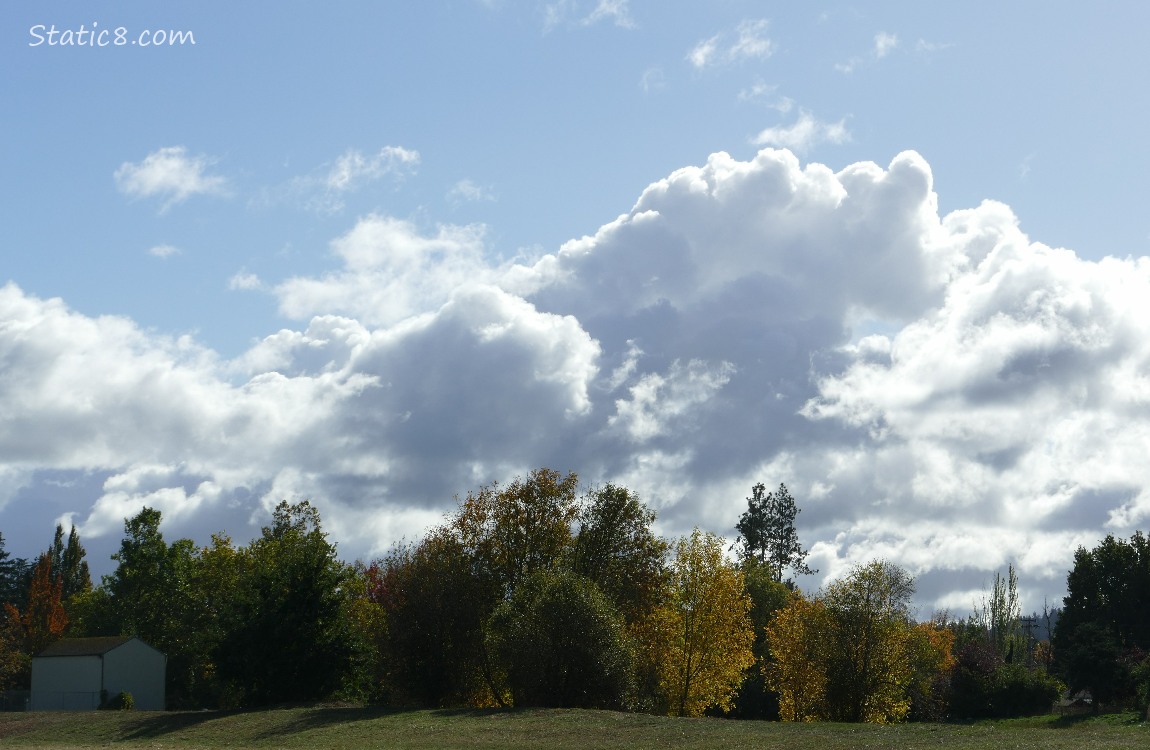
point(168, 173)
point(884, 43)
point(703, 341)
point(469, 191)
point(352, 169)
point(325, 190)
point(391, 272)
point(747, 42)
point(653, 79)
point(245, 280)
point(806, 133)
point(582, 14)
point(163, 251)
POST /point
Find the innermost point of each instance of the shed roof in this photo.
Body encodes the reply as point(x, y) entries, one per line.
point(85, 646)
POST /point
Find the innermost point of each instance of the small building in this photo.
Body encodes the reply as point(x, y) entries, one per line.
point(77, 674)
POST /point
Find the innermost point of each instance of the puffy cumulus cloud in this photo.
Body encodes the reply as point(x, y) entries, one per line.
point(390, 271)
point(169, 173)
point(935, 390)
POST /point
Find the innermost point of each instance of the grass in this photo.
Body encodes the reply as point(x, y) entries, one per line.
point(353, 728)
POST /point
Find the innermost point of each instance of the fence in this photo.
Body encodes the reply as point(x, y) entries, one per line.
point(58, 700)
point(14, 700)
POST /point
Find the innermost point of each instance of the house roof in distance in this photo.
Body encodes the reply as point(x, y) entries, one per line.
point(85, 646)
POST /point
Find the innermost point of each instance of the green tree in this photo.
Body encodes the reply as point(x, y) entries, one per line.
point(1105, 620)
point(15, 574)
point(287, 637)
point(74, 572)
point(768, 597)
point(616, 548)
point(767, 532)
point(708, 633)
point(562, 644)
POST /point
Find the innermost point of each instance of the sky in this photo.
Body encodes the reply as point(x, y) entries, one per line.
point(378, 254)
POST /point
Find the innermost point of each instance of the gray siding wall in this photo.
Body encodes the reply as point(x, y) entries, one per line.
point(138, 669)
point(65, 683)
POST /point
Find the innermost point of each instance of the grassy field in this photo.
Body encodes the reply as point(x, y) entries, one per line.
point(352, 728)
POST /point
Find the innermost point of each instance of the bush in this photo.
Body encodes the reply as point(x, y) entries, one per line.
point(983, 687)
point(561, 645)
point(123, 701)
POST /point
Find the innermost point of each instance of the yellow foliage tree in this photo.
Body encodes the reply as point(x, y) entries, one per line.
point(704, 621)
point(797, 670)
point(929, 653)
point(869, 671)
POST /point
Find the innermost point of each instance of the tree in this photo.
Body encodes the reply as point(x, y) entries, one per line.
point(435, 607)
point(616, 549)
point(142, 586)
point(797, 669)
point(14, 575)
point(929, 651)
point(44, 618)
point(869, 669)
point(767, 532)
point(286, 638)
point(562, 645)
point(1105, 621)
point(519, 529)
point(704, 621)
point(15, 663)
point(73, 567)
point(768, 597)
point(999, 616)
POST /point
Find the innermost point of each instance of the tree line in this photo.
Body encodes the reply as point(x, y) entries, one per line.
point(534, 593)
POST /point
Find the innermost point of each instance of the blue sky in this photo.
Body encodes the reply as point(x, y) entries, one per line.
point(381, 253)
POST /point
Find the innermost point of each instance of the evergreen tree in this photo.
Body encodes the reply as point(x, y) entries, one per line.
point(15, 576)
point(767, 532)
point(73, 567)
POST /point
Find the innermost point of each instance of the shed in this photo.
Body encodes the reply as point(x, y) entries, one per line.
point(75, 674)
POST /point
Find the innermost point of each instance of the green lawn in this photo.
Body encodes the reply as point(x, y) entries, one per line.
point(353, 728)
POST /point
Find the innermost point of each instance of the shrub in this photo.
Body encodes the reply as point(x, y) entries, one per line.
point(122, 701)
point(561, 645)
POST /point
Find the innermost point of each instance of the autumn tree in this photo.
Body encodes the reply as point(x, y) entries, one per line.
point(15, 663)
point(44, 618)
point(797, 669)
point(708, 635)
point(869, 671)
point(767, 532)
point(435, 607)
point(513, 531)
point(929, 653)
